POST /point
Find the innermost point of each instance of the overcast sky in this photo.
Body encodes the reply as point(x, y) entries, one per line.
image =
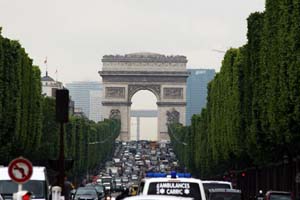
point(75, 34)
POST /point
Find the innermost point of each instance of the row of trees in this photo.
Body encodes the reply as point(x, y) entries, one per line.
point(252, 115)
point(27, 119)
point(86, 142)
point(20, 101)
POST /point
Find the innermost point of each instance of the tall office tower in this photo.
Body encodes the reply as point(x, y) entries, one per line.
point(80, 94)
point(96, 105)
point(196, 91)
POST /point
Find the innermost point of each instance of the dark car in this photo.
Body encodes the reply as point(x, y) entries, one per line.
point(99, 188)
point(224, 194)
point(279, 195)
point(86, 193)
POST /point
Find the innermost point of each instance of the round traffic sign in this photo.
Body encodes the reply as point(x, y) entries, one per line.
point(20, 170)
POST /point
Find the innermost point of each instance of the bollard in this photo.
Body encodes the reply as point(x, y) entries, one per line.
point(22, 195)
point(56, 193)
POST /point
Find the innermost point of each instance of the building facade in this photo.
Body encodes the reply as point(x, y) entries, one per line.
point(80, 94)
point(49, 86)
point(196, 92)
point(95, 105)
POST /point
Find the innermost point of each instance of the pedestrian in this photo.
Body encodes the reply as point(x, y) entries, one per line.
point(68, 187)
point(83, 183)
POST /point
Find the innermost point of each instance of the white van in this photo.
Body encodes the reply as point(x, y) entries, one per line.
point(174, 185)
point(38, 184)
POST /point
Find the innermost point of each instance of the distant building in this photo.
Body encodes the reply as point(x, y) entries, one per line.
point(196, 91)
point(49, 85)
point(79, 113)
point(96, 105)
point(80, 94)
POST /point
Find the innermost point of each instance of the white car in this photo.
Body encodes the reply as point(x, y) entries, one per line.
point(157, 197)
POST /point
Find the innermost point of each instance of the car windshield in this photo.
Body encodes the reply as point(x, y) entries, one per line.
point(37, 188)
point(225, 196)
point(99, 188)
point(183, 189)
point(86, 191)
point(280, 197)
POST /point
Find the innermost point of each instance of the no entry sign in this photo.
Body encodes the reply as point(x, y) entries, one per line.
point(20, 170)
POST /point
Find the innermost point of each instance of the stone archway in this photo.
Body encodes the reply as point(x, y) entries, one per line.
point(164, 76)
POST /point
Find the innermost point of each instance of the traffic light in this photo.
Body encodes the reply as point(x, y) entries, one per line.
point(22, 195)
point(62, 105)
point(243, 174)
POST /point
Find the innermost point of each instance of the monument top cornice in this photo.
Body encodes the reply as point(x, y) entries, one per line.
point(145, 57)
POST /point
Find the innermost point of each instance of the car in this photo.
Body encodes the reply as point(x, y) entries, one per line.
point(210, 184)
point(99, 188)
point(133, 189)
point(157, 197)
point(172, 185)
point(224, 194)
point(278, 195)
point(87, 193)
point(118, 184)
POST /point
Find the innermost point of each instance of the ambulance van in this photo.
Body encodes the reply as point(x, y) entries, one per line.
point(177, 185)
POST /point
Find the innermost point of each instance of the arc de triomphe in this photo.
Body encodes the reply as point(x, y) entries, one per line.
point(164, 76)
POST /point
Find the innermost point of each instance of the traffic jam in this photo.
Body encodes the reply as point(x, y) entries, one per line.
point(138, 170)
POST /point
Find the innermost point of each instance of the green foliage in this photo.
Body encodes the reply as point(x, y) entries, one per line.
point(252, 115)
point(20, 101)
point(27, 119)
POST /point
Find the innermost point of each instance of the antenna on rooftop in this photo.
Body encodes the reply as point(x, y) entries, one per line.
point(45, 62)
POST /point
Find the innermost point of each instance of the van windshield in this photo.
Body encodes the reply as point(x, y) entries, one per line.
point(37, 188)
point(184, 189)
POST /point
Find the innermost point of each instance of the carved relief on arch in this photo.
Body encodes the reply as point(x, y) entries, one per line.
point(173, 116)
point(115, 114)
point(132, 89)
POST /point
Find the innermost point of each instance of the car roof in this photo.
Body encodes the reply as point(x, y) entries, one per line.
point(87, 188)
point(215, 190)
point(277, 192)
point(212, 181)
point(190, 180)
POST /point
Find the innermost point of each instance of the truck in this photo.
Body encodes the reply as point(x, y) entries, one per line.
point(106, 182)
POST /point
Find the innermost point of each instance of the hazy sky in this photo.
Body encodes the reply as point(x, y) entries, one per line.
point(75, 34)
point(144, 99)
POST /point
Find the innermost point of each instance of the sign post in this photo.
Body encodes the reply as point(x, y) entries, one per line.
point(20, 171)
